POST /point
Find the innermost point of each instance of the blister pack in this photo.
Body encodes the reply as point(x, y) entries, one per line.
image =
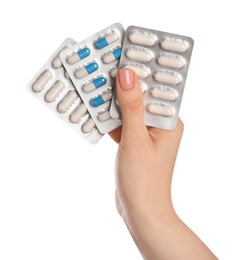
point(161, 61)
point(92, 65)
point(53, 87)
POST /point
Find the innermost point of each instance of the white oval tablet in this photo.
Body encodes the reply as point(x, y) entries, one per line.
point(78, 113)
point(171, 60)
point(142, 38)
point(57, 63)
point(54, 91)
point(167, 76)
point(162, 110)
point(139, 54)
point(41, 81)
point(103, 116)
point(174, 44)
point(164, 93)
point(69, 99)
point(140, 70)
point(88, 126)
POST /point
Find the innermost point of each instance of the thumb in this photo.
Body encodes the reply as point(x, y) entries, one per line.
point(131, 103)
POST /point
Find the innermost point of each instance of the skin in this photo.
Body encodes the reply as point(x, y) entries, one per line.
point(144, 167)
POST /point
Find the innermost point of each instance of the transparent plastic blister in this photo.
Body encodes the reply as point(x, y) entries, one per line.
point(53, 87)
point(91, 65)
point(161, 61)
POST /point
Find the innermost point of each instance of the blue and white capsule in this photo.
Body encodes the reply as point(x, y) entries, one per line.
point(94, 84)
point(100, 100)
point(86, 70)
point(111, 56)
point(80, 55)
point(107, 40)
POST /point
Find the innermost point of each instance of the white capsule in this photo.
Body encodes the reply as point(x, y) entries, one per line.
point(174, 44)
point(73, 58)
point(139, 54)
point(169, 77)
point(113, 72)
point(56, 63)
point(54, 91)
point(88, 126)
point(101, 99)
point(162, 110)
point(41, 81)
point(66, 75)
point(171, 60)
point(142, 38)
point(140, 70)
point(108, 58)
point(69, 99)
point(103, 116)
point(105, 41)
point(78, 113)
point(164, 93)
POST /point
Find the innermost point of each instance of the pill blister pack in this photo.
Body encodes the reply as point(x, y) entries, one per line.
point(53, 87)
point(92, 65)
point(161, 61)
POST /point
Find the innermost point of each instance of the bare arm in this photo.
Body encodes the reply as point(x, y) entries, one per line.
point(144, 169)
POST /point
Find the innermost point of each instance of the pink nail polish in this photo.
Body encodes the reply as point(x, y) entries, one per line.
point(126, 79)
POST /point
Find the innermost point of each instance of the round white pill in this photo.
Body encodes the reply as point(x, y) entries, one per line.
point(139, 54)
point(142, 38)
point(69, 99)
point(171, 60)
point(162, 110)
point(41, 81)
point(54, 91)
point(169, 77)
point(88, 126)
point(164, 93)
point(78, 113)
point(174, 44)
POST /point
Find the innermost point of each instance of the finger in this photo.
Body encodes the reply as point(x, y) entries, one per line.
point(131, 103)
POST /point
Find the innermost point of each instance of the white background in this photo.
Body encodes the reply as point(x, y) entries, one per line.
point(57, 191)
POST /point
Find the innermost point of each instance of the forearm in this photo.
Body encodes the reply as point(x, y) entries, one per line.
point(165, 237)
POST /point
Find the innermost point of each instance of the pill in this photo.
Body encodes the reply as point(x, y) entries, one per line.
point(78, 113)
point(139, 54)
point(103, 116)
point(142, 38)
point(69, 99)
point(107, 40)
point(171, 60)
point(54, 91)
point(163, 110)
point(101, 99)
point(140, 70)
point(41, 81)
point(111, 56)
point(113, 72)
point(81, 54)
point(96, 83)
point(66, 75)
point(164, 93)
point(88, 69)
point(88, 126)
point(174, 44)
point(56, 63)
point(169, 77)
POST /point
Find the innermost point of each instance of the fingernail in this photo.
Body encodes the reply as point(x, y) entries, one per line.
point(126, 79)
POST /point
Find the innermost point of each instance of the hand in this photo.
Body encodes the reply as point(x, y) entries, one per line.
point(144, 169)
